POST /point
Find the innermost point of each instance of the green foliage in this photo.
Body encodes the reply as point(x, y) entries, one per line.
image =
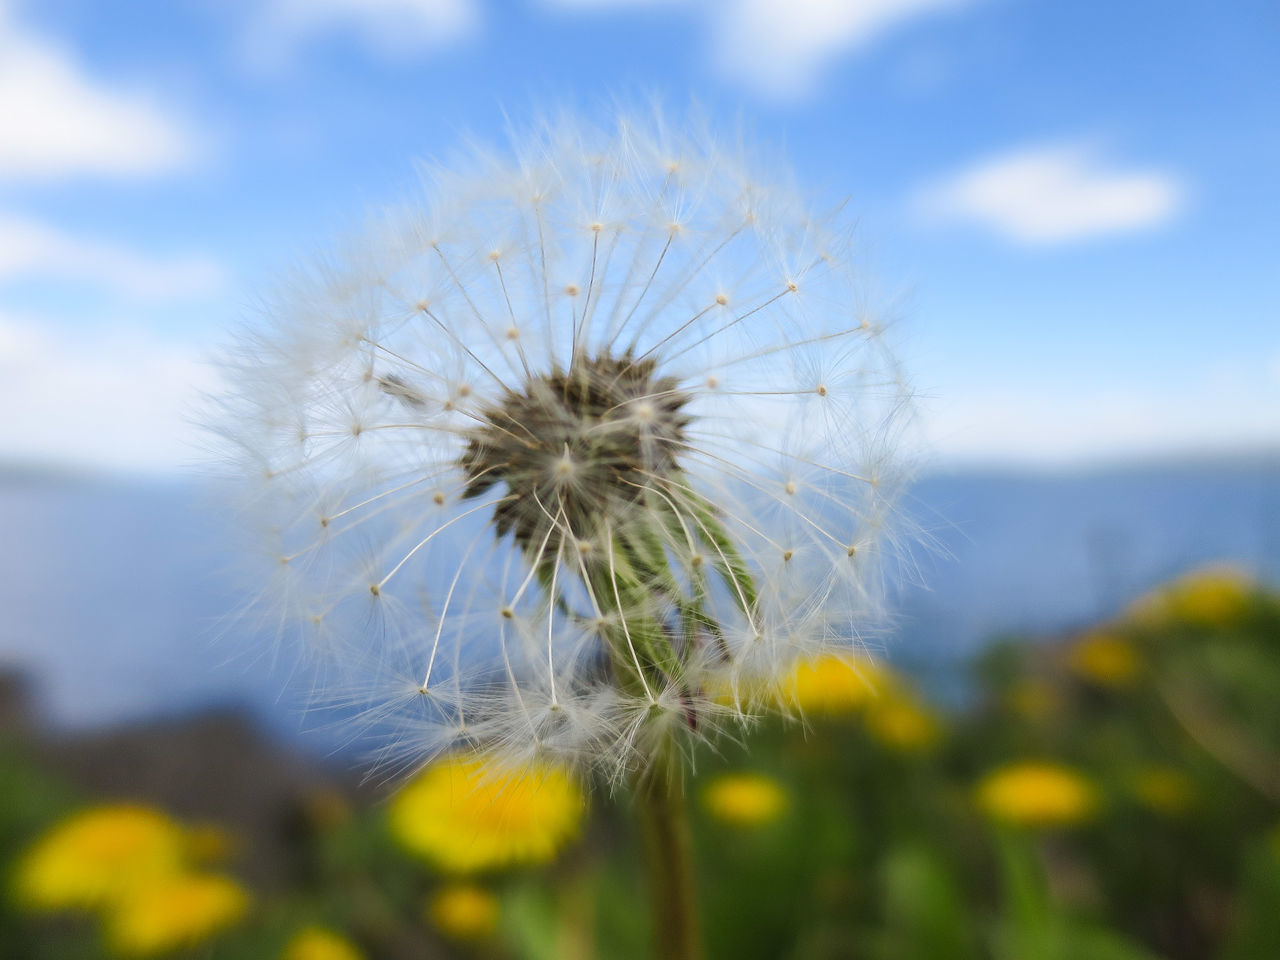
point(885, 848)
point(1256, 932)
point(925, 909)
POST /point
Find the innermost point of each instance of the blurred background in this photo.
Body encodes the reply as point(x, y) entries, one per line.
point(1069, 744)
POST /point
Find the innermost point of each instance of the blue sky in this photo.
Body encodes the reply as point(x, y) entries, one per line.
point(1071, 209)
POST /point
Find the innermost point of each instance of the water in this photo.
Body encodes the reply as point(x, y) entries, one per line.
point(113, 593)
point(1044, 554)
point(113, 600)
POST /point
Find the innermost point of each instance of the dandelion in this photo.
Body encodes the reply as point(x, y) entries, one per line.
point(320, 943)
point(839, 685)
point(899, 722)
point(465, 817)
point(1104, 659)
point(833, 684)
point(745, 799)
point(175, 912)
point(100, 855)
point(599, 430)
point(463, 911)
point(1037, 795)
point(1212, 599)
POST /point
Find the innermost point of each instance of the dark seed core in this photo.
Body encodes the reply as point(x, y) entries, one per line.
point(583, 443)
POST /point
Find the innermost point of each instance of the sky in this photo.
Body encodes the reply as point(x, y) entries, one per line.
point(1069, 213)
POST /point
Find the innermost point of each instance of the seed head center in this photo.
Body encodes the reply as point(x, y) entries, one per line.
point(577, 446)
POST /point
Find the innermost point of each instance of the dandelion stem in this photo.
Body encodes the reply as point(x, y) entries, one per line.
point(664, 821)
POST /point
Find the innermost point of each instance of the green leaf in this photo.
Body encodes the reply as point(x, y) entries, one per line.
point(1256, 932)
point(925, 911)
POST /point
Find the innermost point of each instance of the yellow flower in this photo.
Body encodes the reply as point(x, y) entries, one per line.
point(1037, 795)
point(1105, 659)
point(833, 684)
point(745, 799)
point(1164, 790)
point(902, 724)
point(99, 855)
point(464, 816)
point(175, 912)
point(1034, 700)
point(1210, 598)
point(463, 911)
point(317, 943)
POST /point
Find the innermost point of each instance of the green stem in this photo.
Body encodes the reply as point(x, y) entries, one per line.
point(664, 820)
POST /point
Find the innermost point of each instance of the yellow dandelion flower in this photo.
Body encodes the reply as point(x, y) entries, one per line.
point(833, 684)
point(99, 855)
point(463, 911)
point(319, 943)
point(902, 724)
point(1105, 659)
point(1037, 795)
point(1164, 790)
point(1034, 700)
point(464, 816)
point(175, 912)
point(1211, 598)
point(745, 799)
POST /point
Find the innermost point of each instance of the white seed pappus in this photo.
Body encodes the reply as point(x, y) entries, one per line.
point(574, 455)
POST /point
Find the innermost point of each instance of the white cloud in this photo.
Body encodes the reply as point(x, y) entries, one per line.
point(1053, 193)
point(394, 26)
point(115, 400)
point(30, 248)
point(777, 48)
point(56, 121)
point(780, 47)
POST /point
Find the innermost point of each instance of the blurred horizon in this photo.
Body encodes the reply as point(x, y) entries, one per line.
point(121, 593)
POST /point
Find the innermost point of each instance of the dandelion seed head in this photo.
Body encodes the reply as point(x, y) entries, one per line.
point(598, 425)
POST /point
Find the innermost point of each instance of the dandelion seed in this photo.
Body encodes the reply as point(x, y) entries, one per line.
point(552, 440)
